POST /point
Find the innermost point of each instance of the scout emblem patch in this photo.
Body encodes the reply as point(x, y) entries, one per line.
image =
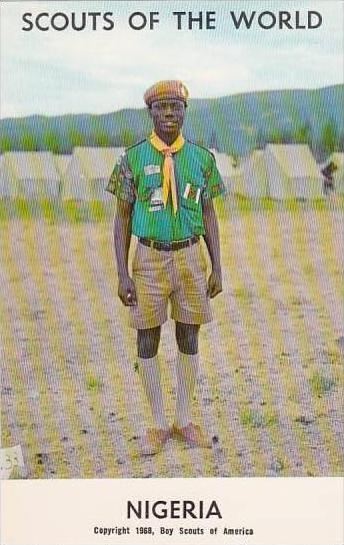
point(156, 200)
point(151, 169)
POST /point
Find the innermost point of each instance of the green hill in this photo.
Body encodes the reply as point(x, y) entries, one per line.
point(234, 124)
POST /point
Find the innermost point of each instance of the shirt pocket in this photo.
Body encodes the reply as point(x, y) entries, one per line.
point(148, 187)
point(191, 197)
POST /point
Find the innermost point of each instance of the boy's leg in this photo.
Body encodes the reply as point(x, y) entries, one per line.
point(187, 368)
point(149, 371)
point(187, 373)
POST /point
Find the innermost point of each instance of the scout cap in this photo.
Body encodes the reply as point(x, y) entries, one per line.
point(163, 90)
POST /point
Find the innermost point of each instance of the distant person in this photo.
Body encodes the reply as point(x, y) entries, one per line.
point(165, 185)
point(327, 172)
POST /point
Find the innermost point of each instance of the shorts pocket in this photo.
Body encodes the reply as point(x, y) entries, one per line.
point(143, 260)
point(136, 258)
point(202, 257)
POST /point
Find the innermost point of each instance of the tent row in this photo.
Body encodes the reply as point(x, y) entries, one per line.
point(80, 176)
point(279, 172)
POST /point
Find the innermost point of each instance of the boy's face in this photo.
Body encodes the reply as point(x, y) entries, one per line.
point(168, 117)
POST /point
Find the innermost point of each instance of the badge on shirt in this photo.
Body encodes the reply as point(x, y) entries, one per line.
point(156, 200)
point(151, 169)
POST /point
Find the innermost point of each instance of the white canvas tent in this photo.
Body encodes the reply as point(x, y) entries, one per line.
point(292, 172)
point(29, 174)
point(61, 163)
point(252, 178)
point(225, 165)
point(88, 172)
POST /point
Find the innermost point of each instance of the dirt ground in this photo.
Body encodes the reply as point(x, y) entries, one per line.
point(270, 390)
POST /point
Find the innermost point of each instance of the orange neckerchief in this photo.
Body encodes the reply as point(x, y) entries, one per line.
point(169, 181)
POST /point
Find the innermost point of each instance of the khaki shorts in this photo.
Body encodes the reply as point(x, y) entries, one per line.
point(177, 276)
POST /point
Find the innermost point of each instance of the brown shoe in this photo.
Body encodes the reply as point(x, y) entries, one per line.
point(153, 441)
point(192, 435)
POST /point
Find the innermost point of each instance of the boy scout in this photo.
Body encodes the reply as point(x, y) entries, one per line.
point(165, 186)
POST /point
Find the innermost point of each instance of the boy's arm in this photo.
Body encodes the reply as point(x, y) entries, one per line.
point(212, 241)
point(122, 237)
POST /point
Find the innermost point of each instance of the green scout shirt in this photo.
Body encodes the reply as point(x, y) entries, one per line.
point(137, 178)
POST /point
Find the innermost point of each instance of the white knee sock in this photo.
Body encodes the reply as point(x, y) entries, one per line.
point(149, 372)
point(187, 372)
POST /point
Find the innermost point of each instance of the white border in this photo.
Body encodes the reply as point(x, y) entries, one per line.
point(281, 511)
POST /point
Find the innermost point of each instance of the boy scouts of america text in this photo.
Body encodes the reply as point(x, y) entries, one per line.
point(183, 20)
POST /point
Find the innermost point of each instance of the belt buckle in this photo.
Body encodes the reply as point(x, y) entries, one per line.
point(162, 246)
point(172, 246)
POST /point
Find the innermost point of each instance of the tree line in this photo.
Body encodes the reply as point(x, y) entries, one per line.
point(328, 140)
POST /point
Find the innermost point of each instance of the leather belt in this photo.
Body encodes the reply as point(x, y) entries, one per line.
point(169, 246)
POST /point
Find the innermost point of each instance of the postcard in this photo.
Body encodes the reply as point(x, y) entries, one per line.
point(171, 257)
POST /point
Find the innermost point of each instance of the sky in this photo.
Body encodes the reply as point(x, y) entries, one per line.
point(59, 72)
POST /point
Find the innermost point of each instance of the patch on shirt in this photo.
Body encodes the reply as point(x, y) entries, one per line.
point(217, 187)
point(156, 197)
point(207, 173)
point(152, 169)
point(156, 207)
point(156, 202)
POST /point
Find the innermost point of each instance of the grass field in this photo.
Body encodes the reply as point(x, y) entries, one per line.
point(270, 391)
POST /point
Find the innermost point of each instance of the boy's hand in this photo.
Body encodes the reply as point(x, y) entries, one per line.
point(214, 284)
point(127, 291)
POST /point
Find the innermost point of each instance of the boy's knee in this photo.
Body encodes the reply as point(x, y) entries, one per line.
point(187, 338)
point(148, 342)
